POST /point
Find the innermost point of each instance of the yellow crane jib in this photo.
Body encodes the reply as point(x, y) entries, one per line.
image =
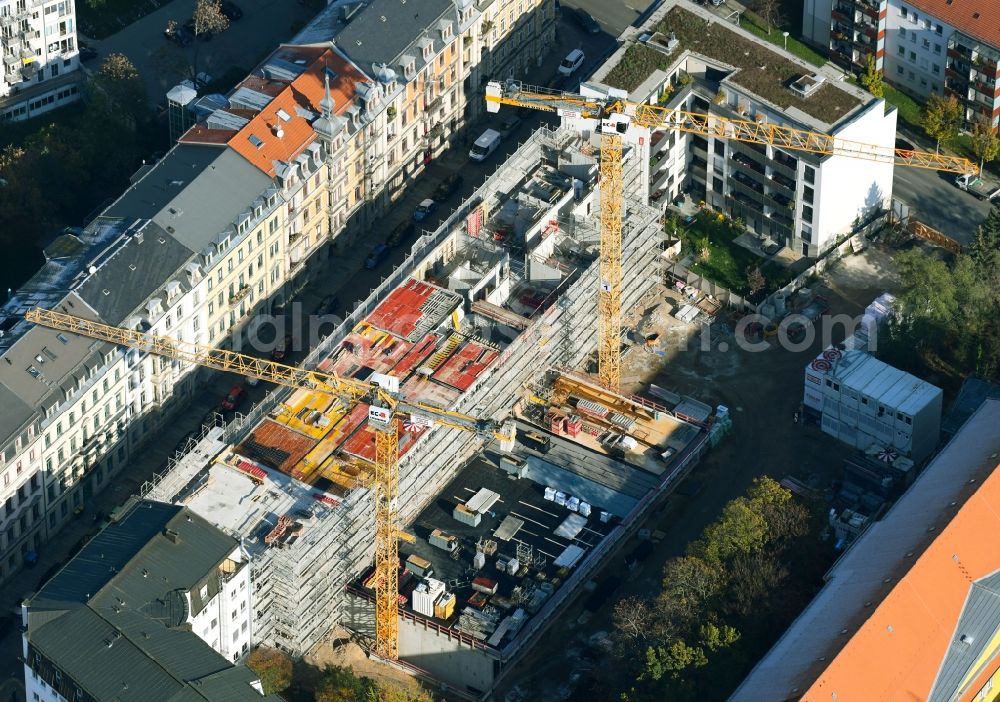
point(380, 392)
point(751, 131)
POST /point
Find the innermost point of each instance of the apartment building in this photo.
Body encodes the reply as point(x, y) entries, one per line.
point(158, 606)
point(267, 185)
point(924, 47)
point(801, 200)
point(429, 59)
point(40, 57)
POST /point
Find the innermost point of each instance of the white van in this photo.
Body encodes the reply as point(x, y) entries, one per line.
point(485, 145)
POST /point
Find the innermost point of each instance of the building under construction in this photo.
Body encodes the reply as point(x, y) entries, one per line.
point(485, 317)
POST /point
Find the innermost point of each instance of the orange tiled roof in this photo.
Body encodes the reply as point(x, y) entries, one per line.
point(977, 18)
point(296, 133)
point(898, 651)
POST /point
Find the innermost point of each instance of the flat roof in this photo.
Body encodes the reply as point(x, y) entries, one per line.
point(760, 68)
point(839, 643)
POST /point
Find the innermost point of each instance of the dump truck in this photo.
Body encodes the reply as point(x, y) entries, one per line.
point(983, 186)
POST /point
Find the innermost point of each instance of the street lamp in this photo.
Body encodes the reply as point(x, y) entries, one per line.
point(785, 35)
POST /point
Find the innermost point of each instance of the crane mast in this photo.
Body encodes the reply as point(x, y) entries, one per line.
point(613, 116)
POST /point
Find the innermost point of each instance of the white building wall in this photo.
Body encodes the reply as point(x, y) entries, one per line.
point(849, 188)
point(38, 43)
point(36, 689)
point(916, 49)
point(816, 22)
point(226, 622)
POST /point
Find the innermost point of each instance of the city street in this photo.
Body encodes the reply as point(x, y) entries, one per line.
point(936, 201)
point(613, 15)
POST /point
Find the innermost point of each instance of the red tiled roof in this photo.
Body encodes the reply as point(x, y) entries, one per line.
point(400, 313)
point(897, 652)
point(296, 133)
point(977, 18)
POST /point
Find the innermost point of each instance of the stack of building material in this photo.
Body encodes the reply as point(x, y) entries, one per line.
point(425, 594)
point(592, 408)
point(574, 424)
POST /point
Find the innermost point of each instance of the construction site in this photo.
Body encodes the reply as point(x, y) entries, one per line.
point(494, 315)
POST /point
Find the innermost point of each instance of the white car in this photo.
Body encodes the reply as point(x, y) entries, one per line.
point(573, 60)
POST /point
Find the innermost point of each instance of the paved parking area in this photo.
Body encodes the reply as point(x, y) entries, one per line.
point(162, 63)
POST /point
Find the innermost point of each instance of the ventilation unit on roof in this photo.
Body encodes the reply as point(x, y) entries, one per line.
point(807, 85)
point(966, 639)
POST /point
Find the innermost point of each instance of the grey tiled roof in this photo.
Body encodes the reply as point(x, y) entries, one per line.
point(194, 193)
point(386, 29)
point(134, 272)
point(977, 625)
point(111, 621)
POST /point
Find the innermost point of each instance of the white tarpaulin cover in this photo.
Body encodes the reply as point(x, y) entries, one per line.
point(569, 557)
point(571, 526)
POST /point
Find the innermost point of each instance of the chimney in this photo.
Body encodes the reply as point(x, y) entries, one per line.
point(171, 536)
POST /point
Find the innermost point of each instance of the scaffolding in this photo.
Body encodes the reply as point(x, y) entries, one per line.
point(301, 580)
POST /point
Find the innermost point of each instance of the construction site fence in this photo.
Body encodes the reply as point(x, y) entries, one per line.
point(602, 554)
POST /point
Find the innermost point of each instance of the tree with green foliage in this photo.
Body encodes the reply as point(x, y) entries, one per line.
point(119, 81)
point(273, 667)
point(872, 78)
point(941, 119)
point(985, 144)
point(948, 316)
point(983, 246)
point(672, 661)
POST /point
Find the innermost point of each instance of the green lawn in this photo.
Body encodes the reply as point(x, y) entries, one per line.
point(728, 262)
point(909, 109)
point(753, 24)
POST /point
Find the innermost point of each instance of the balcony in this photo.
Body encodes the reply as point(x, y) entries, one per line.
point(750, 183)
point(745, 162)
point(239, 295)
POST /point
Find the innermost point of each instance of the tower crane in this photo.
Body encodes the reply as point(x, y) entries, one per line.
point(614, 115)
point(385, 407)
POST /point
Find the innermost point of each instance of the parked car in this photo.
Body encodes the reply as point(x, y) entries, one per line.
point(235, 398)
point(486, 144)
point(574, 59)
point(279, 352)
point(179, 34)
point(327, 305)
point(509, 126)
point(401, 233)
point(231, 10)
point(424, 210)
point(87, 53)
point(448, 187)
point(586, 21)
point(378, 254)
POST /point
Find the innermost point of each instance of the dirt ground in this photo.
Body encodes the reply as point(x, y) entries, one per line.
point(762, 390)
point(344, 652)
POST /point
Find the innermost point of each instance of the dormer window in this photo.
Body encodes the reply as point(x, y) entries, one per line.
point(426, 47)
point(409, 65)
point(445, 27)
